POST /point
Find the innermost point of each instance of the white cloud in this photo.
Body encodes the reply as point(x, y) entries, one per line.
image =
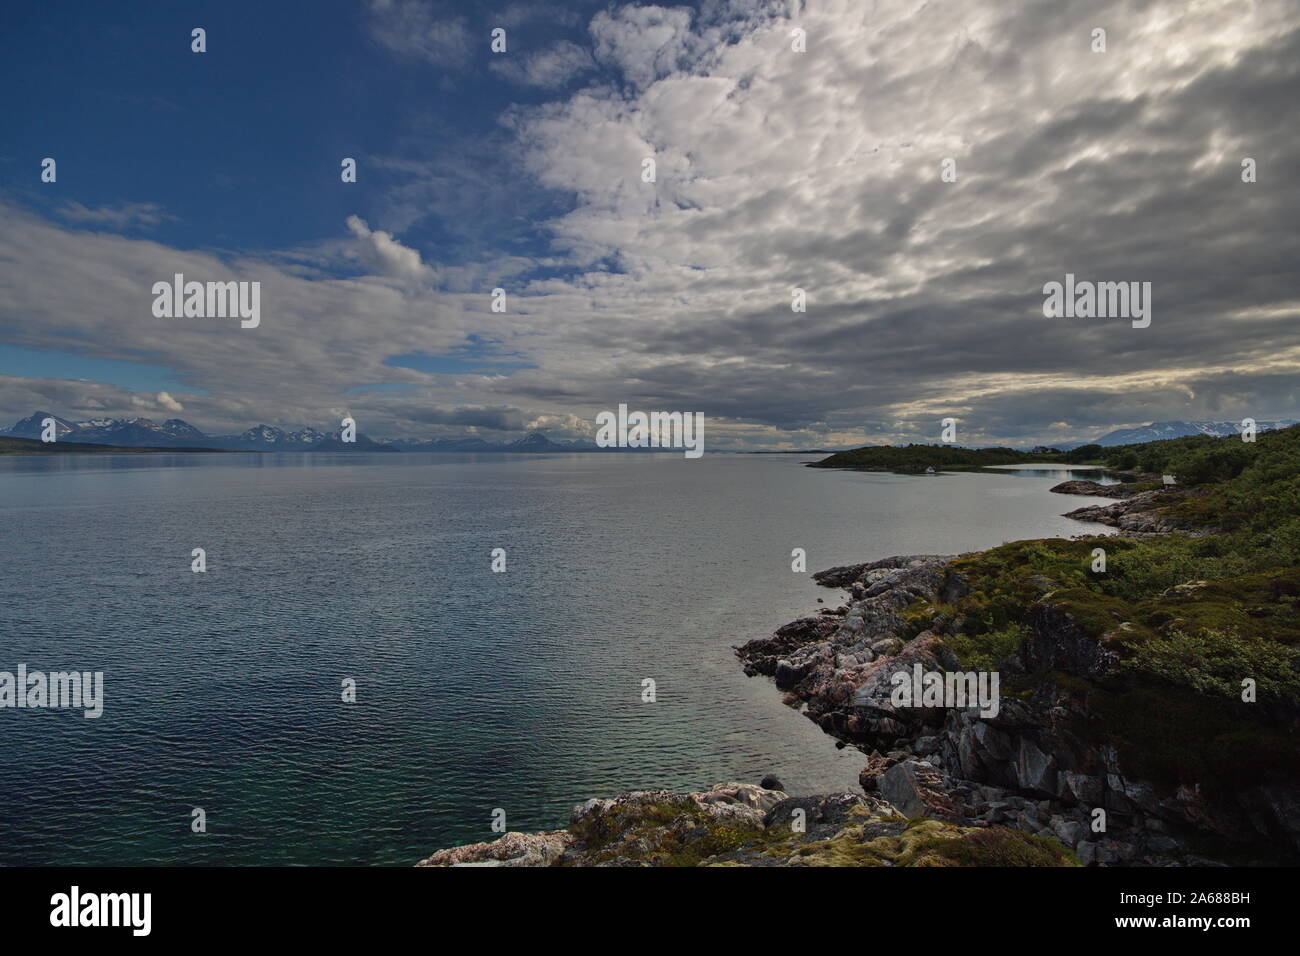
point(384, 254)
point(169, 403)
point(550, 68)
point(777, 169)
point(643, 42)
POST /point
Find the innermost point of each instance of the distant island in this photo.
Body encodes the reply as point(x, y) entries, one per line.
point(911, 459)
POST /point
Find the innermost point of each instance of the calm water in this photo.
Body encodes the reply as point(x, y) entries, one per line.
point(475, 690)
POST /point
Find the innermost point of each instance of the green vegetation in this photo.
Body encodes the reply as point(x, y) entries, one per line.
point(917, 458)
point(676, 831)
point(1190, 615)
point(924, 842)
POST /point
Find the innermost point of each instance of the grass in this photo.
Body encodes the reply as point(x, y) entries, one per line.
point(1191, 616)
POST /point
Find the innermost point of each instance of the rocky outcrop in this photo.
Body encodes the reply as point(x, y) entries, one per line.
point(1093, 489)
point(1038, 765)
point(513, 849)
point(1143, 512)
point(1133, 483)
point(742, 825)
point(1030, 782)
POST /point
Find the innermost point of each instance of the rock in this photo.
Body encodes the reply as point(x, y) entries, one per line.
point(1079, 788)
point(761, 798)
point(512, 849)
point(833, 809)
point(1138, 513)
point(954, 587)
point(1057, 642)
point(1093, 489)
point(771, 782)
point(788, 675)
point(760, 656)
point(887, 647)
point(1035, 771)
point(915, 789)
point(1068, 832)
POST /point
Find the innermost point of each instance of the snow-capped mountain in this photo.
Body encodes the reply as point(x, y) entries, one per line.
point(270, 438)
point(144, 432)
point(114, 431)
point(31, 427)
point(1157, 431)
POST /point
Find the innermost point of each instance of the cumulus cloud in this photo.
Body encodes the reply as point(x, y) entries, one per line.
point(643, 42)
point(169, 403)
point(385, 255)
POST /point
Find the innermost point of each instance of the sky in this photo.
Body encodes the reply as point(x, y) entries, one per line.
point(775, 168)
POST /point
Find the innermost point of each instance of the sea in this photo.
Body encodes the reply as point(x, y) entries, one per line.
point(350, 682)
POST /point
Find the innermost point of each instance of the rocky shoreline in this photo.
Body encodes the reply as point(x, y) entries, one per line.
point(740, 824)
point(1034, 783)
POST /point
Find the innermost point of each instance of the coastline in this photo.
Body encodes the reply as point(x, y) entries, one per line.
point(943, 785)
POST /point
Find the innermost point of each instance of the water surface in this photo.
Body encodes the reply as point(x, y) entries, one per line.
point(476, 690)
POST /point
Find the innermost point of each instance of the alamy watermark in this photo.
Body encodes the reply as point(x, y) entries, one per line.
point(82, 690)
point(75, 908)
point(626, 429)
point(1085, 299)
point(922, 688)
point(209, 300)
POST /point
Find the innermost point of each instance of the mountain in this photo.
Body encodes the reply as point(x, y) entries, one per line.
point(1157, 431)
point(138, 431)
point(535, 442)
point(115, 431)
point(270, 438)
point(31, 427)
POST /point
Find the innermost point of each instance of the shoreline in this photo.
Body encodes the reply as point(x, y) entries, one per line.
point(941, 785)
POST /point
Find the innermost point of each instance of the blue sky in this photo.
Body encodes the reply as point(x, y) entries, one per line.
point(777, 168)
point(237, 150)
point(241, 145)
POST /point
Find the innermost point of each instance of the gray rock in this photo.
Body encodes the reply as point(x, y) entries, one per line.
point(1035, 771)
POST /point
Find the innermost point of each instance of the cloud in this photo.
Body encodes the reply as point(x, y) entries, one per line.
point(120, 216)
point(775, 170)
point(420, 30)
point(169, 403)
point(384, 254)
point(550, 68)
point(643, 43)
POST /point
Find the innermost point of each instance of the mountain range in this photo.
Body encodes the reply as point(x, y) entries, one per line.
point(1157, 431)
point(139, 432)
